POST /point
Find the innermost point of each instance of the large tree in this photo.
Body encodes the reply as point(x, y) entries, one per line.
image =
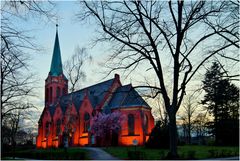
point(221, 100)
point(175, 34)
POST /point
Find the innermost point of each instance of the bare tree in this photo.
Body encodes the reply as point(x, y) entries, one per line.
point(189, 112)
point(12, 37)
point(183, 35)
point(12, 124)
point(17, 83)
point(15, 86)
point(74, 67)
point(200, 125)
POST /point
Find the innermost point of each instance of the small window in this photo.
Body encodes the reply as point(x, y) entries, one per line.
point(46, 95)
point(47, 131)
point(58, 128)
point(130, 124)
point(146, 123)
point(86, 122)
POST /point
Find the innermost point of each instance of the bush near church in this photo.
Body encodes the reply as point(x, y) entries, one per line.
point(159, 137)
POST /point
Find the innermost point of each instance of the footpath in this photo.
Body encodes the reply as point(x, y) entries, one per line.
point(99, 154)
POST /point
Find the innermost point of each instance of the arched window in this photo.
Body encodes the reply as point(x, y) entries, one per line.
point(86, 122)
point(58, 92)
point(130, 124)
point(46, 95)
point(146, 123)
point(50, 95)
point(58, 128)
point(47, 129)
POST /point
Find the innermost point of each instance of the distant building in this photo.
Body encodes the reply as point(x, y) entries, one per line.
point(74, 111)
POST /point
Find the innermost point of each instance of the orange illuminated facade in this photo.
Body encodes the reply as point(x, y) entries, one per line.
point(69, 115)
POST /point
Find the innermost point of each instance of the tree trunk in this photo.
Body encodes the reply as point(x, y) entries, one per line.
point(173, 137)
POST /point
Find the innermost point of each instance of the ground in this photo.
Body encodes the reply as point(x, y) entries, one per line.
point(185, 152)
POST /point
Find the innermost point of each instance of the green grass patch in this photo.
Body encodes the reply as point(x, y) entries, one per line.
point(185, 152)
point(147, 154)
point(51, 154)
point(203, 152)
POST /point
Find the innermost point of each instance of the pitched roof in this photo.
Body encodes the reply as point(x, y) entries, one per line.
point(95, 94)
point(56, 65)
point(126, 96)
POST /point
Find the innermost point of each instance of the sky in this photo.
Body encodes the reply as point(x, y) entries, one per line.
point(71, 33)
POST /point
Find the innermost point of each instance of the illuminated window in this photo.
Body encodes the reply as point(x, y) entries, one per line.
point(58, 128)
point(146, 123)
point(130, 124)
point(86, 122)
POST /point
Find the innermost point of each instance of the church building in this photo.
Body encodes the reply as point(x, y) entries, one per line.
point(75, 111)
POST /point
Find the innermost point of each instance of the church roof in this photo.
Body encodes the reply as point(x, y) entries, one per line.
point(126, 96)
point(95, 94)
point(56, 65)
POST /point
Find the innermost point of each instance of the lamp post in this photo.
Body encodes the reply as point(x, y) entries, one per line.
point(135, 143)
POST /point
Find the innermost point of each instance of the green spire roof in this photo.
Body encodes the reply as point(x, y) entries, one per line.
point(56, 65)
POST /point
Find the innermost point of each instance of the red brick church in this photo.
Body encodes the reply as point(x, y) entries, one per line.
point(75, 110)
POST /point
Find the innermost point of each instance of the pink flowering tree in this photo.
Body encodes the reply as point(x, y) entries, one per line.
point(105, 125)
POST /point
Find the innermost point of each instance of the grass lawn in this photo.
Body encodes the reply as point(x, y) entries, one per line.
point(185, 152)
point(58, 154)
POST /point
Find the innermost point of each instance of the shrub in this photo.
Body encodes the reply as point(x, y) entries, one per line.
point(159, 137)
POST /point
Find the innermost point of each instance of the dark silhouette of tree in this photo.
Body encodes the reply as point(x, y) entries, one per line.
point(188, 116)
point(74, 68)
point(201, 127)
point(16, 80)
point(160, 32)
point(221, 100)
point(17, 83)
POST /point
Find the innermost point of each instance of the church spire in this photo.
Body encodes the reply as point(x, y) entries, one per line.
point(56, 65)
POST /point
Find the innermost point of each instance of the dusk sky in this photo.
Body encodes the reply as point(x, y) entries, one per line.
point(72, 33)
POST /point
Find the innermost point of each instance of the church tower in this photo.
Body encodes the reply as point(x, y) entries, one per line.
point(56, 83)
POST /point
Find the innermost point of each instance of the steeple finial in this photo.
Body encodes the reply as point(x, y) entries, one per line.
point(57, 25)
point(56, 65)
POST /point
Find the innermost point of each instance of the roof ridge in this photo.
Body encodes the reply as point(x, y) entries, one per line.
point(88, 87)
